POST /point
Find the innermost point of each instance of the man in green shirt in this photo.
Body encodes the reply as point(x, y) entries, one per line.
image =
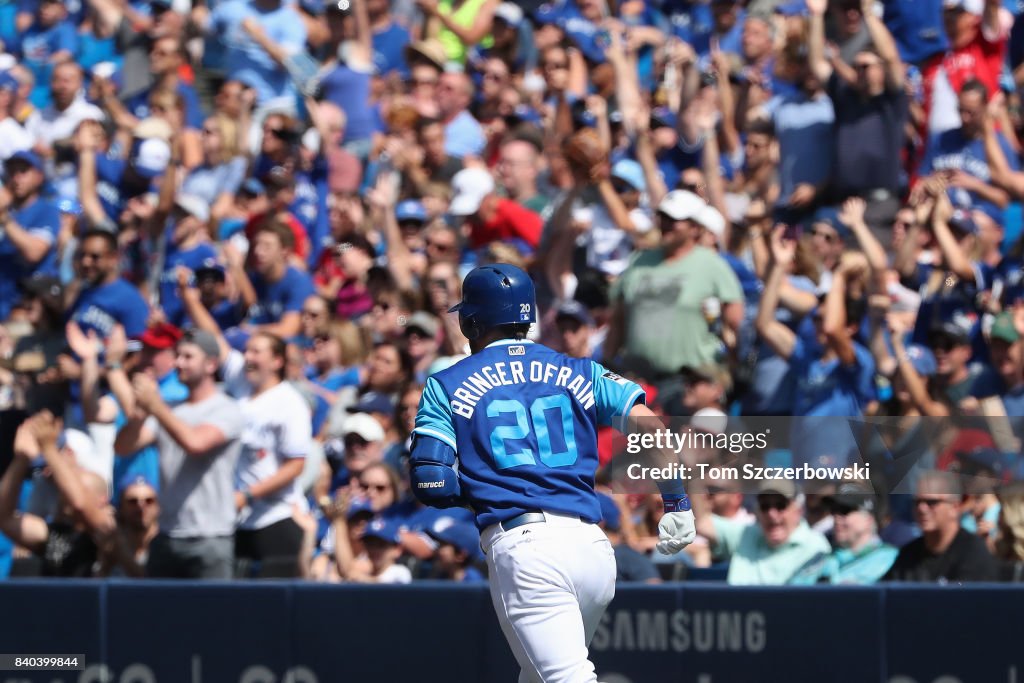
point(660, 301)
point(770, 552)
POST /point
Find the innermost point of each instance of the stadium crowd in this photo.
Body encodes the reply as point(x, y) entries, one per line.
point(231, 231)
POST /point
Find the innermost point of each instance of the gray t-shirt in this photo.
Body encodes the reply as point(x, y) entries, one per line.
point(197, 497)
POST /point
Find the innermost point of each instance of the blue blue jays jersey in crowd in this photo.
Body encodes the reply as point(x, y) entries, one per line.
point(523, 421)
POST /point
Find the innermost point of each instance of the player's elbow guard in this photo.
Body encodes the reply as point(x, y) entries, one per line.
point(432, 474)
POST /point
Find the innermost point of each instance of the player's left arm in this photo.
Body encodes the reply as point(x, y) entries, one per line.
point(433, 455)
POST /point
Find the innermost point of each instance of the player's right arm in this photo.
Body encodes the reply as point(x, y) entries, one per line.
point(433, 455)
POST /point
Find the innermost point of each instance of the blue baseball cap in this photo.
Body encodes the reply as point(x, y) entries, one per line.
point(211, 267)
point(922, 360)
point(384, 529)
point(411, 210)
point(8, 82)
point(548, 13)
point(69, 206)
point(373, 402)
point(963, 222)
point(576, 311)
point(359, 506)
point(796, 8)
point(662, 117)
point(28, 157)
point(630, 172)
point(609, 512)
point(985, 458)
point(462, 535)
point(135, 479)
point(830, 217)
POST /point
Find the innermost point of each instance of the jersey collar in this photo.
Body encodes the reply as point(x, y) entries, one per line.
point(507, 342)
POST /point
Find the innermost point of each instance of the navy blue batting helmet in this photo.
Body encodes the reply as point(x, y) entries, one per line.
point(495, 294)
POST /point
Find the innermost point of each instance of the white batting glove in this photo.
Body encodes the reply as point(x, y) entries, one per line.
point(676, 530)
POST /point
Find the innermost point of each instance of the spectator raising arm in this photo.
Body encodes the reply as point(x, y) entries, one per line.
point(645, 155)
point(382, 211)
point(28, 531)
point(780, 338)
point(67, 478)
point(952, 255)
point(852, 215)
point(1001, 174)
point(915, 384)
point(816, 40)
point(884, 44)
point(196, 440)
point(834, 322)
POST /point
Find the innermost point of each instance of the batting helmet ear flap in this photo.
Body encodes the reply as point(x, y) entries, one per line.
point(470, 328)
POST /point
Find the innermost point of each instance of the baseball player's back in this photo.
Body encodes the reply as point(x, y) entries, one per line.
point(511, 431)
point(523, 420)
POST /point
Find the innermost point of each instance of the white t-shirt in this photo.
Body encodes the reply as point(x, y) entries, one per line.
point(276, 428)
point(396, 573)
point(13, 138)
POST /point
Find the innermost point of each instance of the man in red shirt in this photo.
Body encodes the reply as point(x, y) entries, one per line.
point(978, 33)
point(491, 217)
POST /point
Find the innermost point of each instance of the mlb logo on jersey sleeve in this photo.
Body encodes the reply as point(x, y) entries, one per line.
point(517, 350)
point(618, 379)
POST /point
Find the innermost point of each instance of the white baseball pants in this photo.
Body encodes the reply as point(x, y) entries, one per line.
point(550, 583)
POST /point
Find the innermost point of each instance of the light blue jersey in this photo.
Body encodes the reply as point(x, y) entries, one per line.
point(523, 422)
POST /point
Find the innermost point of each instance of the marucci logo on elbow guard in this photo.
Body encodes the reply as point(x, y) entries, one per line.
point(430, 485)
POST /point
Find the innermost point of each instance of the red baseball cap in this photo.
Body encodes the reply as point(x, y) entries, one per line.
point(161, 336)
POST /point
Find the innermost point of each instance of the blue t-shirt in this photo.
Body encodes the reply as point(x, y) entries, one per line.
point(37, 46)
point(274, 299)
point(333, 381)
point(93, 51)
point(389, 49)
point(827, 390)
point(310, 207)
point(244, 59)
point(523, 421)
point(806, 132)
point(210, 182)
point(350, 89)
point(100, 308)
point(917, 28)
point(464, 136)
point(193, 258)
point(952, 151)
point(138, 105)
point(41, 219)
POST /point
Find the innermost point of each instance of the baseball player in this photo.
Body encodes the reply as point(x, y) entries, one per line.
point(512, 432)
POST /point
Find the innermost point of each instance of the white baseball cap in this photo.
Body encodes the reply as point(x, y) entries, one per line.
point(470, 186)
point(680, 205)
point(971, 6)
point(193, 205)
point(153, 157)
point(711, 219)
point(510, 12)
point(362, 425)
point(710, 420)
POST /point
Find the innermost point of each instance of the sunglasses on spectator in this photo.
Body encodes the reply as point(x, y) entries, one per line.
point(827, 236)
point(621, 187)
point(555, 66)
point(418, 82)
point(495, 76)
point(906, 224)
point(90, 255)
point(944, 344)
point(140, 501)
point(439, 246)
point(842, 510)
point(766, 504)
point(864, 66)
point(379, 488)
point(355, 441)
point(930, 502)
point(689, 187)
